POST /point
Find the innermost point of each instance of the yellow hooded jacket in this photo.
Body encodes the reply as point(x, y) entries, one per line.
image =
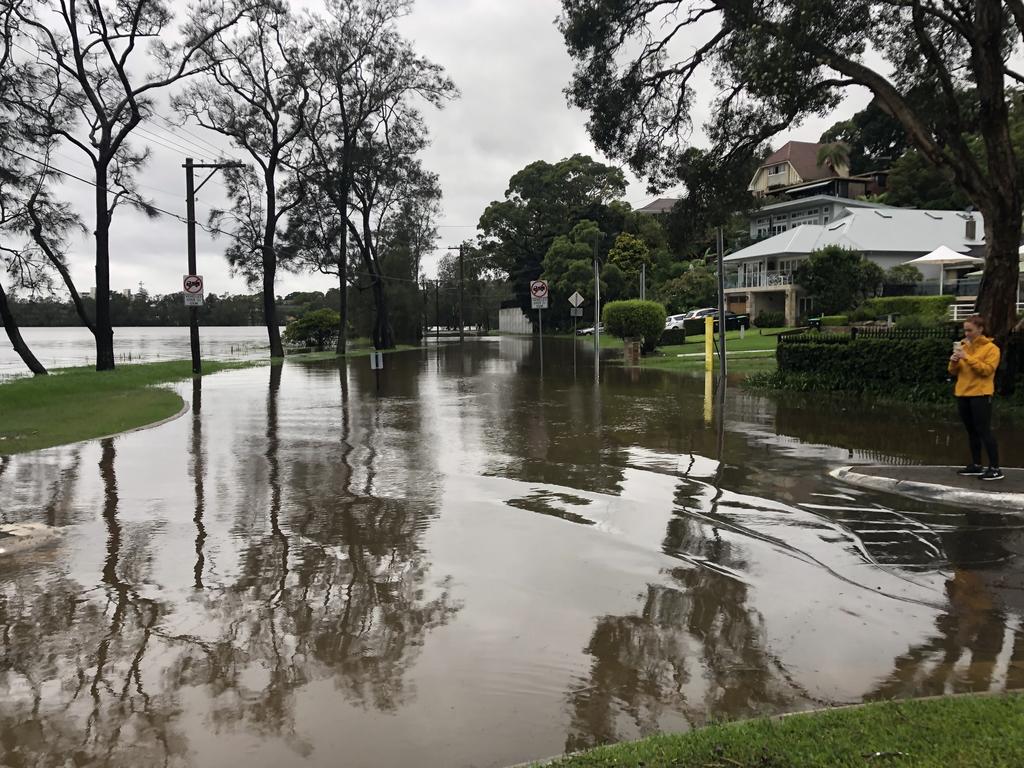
point(976, 373)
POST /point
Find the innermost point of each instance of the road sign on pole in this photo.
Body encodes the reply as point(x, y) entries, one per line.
point(539, 294)
point(192, 290)
point(576, 300)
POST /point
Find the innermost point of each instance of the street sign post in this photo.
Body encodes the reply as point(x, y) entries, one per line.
point(539, 301)
point(577, 311)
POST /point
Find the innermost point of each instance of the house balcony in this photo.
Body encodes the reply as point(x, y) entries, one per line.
point(755, 280)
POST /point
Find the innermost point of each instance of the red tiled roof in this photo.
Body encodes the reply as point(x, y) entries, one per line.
point(803, 155)
point(661, 205)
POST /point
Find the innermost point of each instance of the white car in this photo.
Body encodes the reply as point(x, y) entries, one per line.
point(674, 321)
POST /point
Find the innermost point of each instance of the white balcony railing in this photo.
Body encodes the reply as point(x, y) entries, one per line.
point(760, 280)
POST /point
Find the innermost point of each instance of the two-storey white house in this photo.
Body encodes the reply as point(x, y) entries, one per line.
point(760, 277)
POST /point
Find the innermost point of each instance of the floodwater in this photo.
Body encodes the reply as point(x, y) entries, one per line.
point(466, 563)
point(69, 346)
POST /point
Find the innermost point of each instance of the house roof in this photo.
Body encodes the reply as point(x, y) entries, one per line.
point(802, 202)
point(803, 156)
point(661, 205)
point(872, 230)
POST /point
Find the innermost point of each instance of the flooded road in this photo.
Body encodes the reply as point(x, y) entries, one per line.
point(468, 564)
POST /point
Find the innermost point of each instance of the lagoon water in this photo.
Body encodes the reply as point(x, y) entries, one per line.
point(468, 562)
point(71, 346)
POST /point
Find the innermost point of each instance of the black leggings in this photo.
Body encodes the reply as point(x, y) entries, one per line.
point(976, 413)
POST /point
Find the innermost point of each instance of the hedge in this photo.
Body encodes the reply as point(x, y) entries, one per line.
point(907, 305)
point(835, 320)
point(770, 319)
point(635, 319)
point(672, 337)
point(914, 367)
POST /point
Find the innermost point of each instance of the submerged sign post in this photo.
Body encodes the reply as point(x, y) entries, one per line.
point(539, 301)
point(577, 311)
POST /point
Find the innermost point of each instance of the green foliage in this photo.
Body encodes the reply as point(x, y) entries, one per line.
point(915, 367)
point(838, 278)
point(834, 155)
point(834, 320)
point(635, 319)
point(874, 137)
point(915, 183)
point(542, 202)
point(629, 253)
point(672, 337)
point(883, 306)
point(314, 329)
point(903, 274)
point(770, 319)
point(696, 287)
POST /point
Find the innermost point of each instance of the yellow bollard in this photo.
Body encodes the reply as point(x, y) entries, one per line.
point(709, 343)
point(709, 397)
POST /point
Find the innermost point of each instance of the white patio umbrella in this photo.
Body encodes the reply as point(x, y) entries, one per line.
point(942, 256)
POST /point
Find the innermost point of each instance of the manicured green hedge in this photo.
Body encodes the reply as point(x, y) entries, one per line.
point(835, 320)
point(672, 337)
point(635, 319)
point(915, 367)
point(770, 319)
point(907, 305)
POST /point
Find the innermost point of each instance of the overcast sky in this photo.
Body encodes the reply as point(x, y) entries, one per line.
point(508, 60)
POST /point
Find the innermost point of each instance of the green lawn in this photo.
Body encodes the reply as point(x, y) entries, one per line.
point(73, 404)
point(761, 362)
point(957, 732)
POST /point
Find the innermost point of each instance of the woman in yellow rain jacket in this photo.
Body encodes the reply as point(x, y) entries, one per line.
point(974, 362)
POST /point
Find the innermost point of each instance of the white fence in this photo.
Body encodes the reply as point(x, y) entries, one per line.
point(960, 312)
point(513, 320)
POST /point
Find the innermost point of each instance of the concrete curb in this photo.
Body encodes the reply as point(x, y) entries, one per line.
point(943, 494)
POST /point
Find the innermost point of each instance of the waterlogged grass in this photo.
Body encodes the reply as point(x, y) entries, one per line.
point(73, 404)
point(747, 364)
point(958, 732)
point(307, 357)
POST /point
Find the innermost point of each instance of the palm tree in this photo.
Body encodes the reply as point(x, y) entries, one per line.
point(835, 156)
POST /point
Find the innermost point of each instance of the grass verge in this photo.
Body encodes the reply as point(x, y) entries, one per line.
point(962, 731)
point(73, 404)
point(745, 364)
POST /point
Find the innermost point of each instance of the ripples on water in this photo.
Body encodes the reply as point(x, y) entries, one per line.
point(468, 564)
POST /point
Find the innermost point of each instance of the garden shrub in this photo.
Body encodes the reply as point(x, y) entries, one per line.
point(911, 367)
point(672, 337)
point(835, 320)
point(906, 305)
point(314, 329)
point(635, 319)
point(770, 319)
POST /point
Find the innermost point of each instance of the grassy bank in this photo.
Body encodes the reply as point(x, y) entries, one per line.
point(73, 404)
point(747, 364)
point(964, 731)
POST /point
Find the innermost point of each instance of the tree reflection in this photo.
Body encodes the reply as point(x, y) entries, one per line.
point(695, 650)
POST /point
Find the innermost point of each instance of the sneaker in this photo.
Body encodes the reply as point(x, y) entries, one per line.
point(993, 473)
point(971, 470)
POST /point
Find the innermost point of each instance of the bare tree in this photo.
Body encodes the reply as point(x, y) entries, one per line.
point(362, 70)
point(92, 57)
point(255, 93)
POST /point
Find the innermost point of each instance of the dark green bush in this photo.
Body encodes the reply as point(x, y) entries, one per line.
point(635, 319)
point(770, 319)
point(314, 329)
point(910, 367)
point(835, 320)
point(672, 337)
point(906, 305)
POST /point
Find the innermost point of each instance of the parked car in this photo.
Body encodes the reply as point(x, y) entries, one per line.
point(733, 322)
point(696, 314)
point(674, 321)
point(589, 331)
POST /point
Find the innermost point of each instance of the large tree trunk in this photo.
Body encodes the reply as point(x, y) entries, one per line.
point(14, 334)
point(104, 332)
point(383, 338)
point(270, 269)
point(997, 294)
